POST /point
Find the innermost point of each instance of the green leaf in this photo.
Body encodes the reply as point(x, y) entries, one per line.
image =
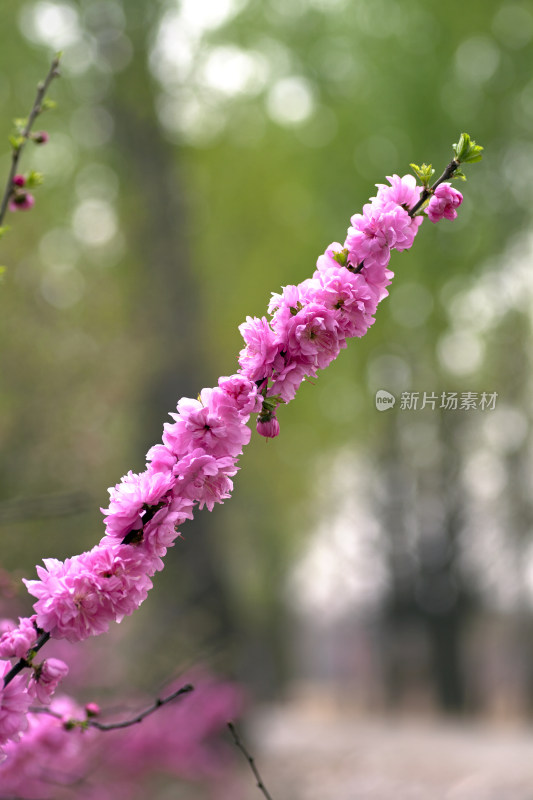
point(20, 123)
point(466, 150)
point(424, 173)
point(3, 230)
point(16, 142)
point(461, 148)
point(3, 271)
point(473, 156)
point(341, 257)
point(48, 105)
point(459, 174)
point(34, 179)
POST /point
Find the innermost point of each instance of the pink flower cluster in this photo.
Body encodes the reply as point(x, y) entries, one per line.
point(194, 465)
point(310, 323)
point(195, 462)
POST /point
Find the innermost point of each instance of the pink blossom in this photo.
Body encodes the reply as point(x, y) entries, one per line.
point(268, 427)
point(375, 232)
point(21, 201)
point(204, 478)
point(292, 296)
point(130, 498)
point(244, 393)
point(328, 260)
point(79, 597)
point(160, 459)
point(287, 378)
point(257, 357)
point(444, 202)
point(19, 180)
point(162, 530)
point(17, 640)
point(348, 295)
point(402, 191)
point(46, 678)
point(310, 336)
point(212, 423)
point(14, 702)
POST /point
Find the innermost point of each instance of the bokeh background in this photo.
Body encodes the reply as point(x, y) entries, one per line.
point(370, 565)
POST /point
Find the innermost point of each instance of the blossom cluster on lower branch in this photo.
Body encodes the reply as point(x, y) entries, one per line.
point(194, 464)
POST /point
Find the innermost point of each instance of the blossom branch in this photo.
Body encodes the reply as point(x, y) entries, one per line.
point(18, 146)
point(238, 743)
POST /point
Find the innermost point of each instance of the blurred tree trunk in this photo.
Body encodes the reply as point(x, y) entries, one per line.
point(169, 305)
point(427, 602)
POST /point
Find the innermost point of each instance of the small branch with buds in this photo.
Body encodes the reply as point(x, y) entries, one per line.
point(238, 743)
point(466, 152)
point(18, 142)
point(92, 711)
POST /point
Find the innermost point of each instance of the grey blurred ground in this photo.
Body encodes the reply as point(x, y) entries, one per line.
point(318, 752)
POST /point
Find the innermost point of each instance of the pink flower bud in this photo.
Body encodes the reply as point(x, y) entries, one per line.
point(268, 427)
point(19, 180)
point(92, 709)
point(41, 137)
point(444, 202)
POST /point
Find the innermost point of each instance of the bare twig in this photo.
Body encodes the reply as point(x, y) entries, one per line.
point(112, 726)
point(42, 88)
point(238, 743)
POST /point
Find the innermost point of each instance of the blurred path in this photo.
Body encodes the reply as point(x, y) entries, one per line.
point(317, 756)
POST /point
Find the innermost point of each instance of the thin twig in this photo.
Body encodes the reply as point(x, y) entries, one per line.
point(42, 88)
point(237, 741)
point(112, 726)
point(452, 167)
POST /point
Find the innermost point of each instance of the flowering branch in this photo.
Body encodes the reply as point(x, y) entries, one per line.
point(238, 743)
point(18, 142)
point(309, 325)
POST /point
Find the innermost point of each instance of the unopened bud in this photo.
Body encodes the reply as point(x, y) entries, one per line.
point(41, 137)
point(268, 427)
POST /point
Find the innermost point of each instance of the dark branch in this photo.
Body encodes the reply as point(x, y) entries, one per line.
point(22, 663)
point(42, 88)
point(237, 741)
point(112, 726)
